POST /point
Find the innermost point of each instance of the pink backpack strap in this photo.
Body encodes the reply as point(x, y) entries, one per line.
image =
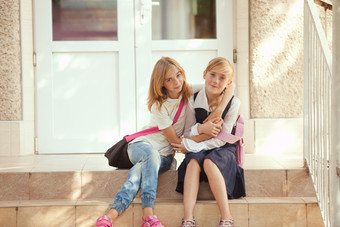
point(239, 126)
point(239, 130)
point(154, 129)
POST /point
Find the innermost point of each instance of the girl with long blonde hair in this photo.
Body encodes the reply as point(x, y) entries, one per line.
point(211, 160)
point(153, 153)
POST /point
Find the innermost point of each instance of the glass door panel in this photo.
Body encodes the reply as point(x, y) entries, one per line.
point(75, 20)
point(184, 19)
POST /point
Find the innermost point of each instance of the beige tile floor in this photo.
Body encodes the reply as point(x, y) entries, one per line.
point(97, 162)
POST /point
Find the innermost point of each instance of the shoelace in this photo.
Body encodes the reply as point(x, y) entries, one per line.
point(188, 223)
point(226, 223)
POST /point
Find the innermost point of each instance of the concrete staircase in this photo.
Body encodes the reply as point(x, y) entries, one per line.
point(73, 190)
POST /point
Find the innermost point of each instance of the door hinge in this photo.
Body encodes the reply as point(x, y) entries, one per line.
point(235, 56)
point(35, 145)
point(34, 59)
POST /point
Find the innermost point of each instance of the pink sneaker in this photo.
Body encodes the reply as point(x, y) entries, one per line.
point(151, 221)
point(104, 221)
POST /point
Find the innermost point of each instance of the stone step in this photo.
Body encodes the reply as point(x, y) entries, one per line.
point(247, 212)
point(104, 184)
point(73, 177)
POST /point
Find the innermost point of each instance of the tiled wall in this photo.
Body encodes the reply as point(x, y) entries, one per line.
point(275, 77)
point(242, 46)
point(16, 137)
point(17, 133)
point(9, 137)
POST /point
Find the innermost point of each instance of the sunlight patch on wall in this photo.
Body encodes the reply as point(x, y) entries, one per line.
point(276, 50)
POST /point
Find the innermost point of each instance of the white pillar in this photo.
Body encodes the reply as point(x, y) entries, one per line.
point(335, 147)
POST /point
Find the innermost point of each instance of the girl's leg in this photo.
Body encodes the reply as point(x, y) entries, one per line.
point(151, 162)
point(128, 192)
point(218, 188)
point(164, 166)
point(191, 185)
point(124, 197)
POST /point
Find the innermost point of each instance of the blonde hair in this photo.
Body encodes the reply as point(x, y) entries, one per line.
point(157, 92)
point(223, 66)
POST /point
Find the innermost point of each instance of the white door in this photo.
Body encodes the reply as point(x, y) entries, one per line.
point(190, 31)
point(94, 61)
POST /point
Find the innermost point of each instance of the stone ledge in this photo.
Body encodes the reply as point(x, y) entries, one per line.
point(103, 184)
point(260, 211)
point(108, 201)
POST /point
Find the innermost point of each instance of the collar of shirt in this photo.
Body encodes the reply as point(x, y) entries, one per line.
point(201, 100)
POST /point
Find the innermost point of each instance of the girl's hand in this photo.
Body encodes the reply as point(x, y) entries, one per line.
point(211, 128)
point(217, 120)
point(217, 113)
point(179, 147)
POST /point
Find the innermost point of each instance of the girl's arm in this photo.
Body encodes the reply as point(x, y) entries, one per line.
point(210, 129)
point(200, 137)
point(195, 146)
point(162, 119)
point(228, 94)
point(171, 135)
point(212, 124)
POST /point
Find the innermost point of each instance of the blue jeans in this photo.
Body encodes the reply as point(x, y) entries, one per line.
point(144, 174)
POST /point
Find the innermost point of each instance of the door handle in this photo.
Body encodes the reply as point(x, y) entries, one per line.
point(145, 8)
point(147, 4)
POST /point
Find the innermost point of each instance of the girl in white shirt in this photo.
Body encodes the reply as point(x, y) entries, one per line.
point(212, 160)
point(153, 153)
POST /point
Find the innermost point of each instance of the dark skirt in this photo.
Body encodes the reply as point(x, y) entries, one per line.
point(224, 158)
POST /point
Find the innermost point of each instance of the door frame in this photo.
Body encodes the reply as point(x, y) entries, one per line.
point(45, 47)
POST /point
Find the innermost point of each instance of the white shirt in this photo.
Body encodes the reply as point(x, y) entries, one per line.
point(163, 118)
point(191, 124)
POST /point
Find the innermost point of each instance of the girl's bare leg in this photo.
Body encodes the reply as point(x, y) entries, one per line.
point(147, 211)
point(218, 188)
point(113, 214)
point(191, 185)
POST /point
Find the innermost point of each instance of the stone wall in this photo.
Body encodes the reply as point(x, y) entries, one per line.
point(276, 58)
point(10, 61)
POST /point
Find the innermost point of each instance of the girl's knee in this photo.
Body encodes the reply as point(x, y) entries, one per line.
point(153, 156)
point(208, 164)
point(193, 165)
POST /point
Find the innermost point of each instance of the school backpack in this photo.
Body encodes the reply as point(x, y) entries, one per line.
point(236, 137)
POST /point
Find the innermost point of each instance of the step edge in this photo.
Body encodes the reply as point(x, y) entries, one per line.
point(108, 201)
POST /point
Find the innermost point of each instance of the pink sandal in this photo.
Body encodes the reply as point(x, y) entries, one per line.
point(188, 223)
point(226, 222)
point(104, 221)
